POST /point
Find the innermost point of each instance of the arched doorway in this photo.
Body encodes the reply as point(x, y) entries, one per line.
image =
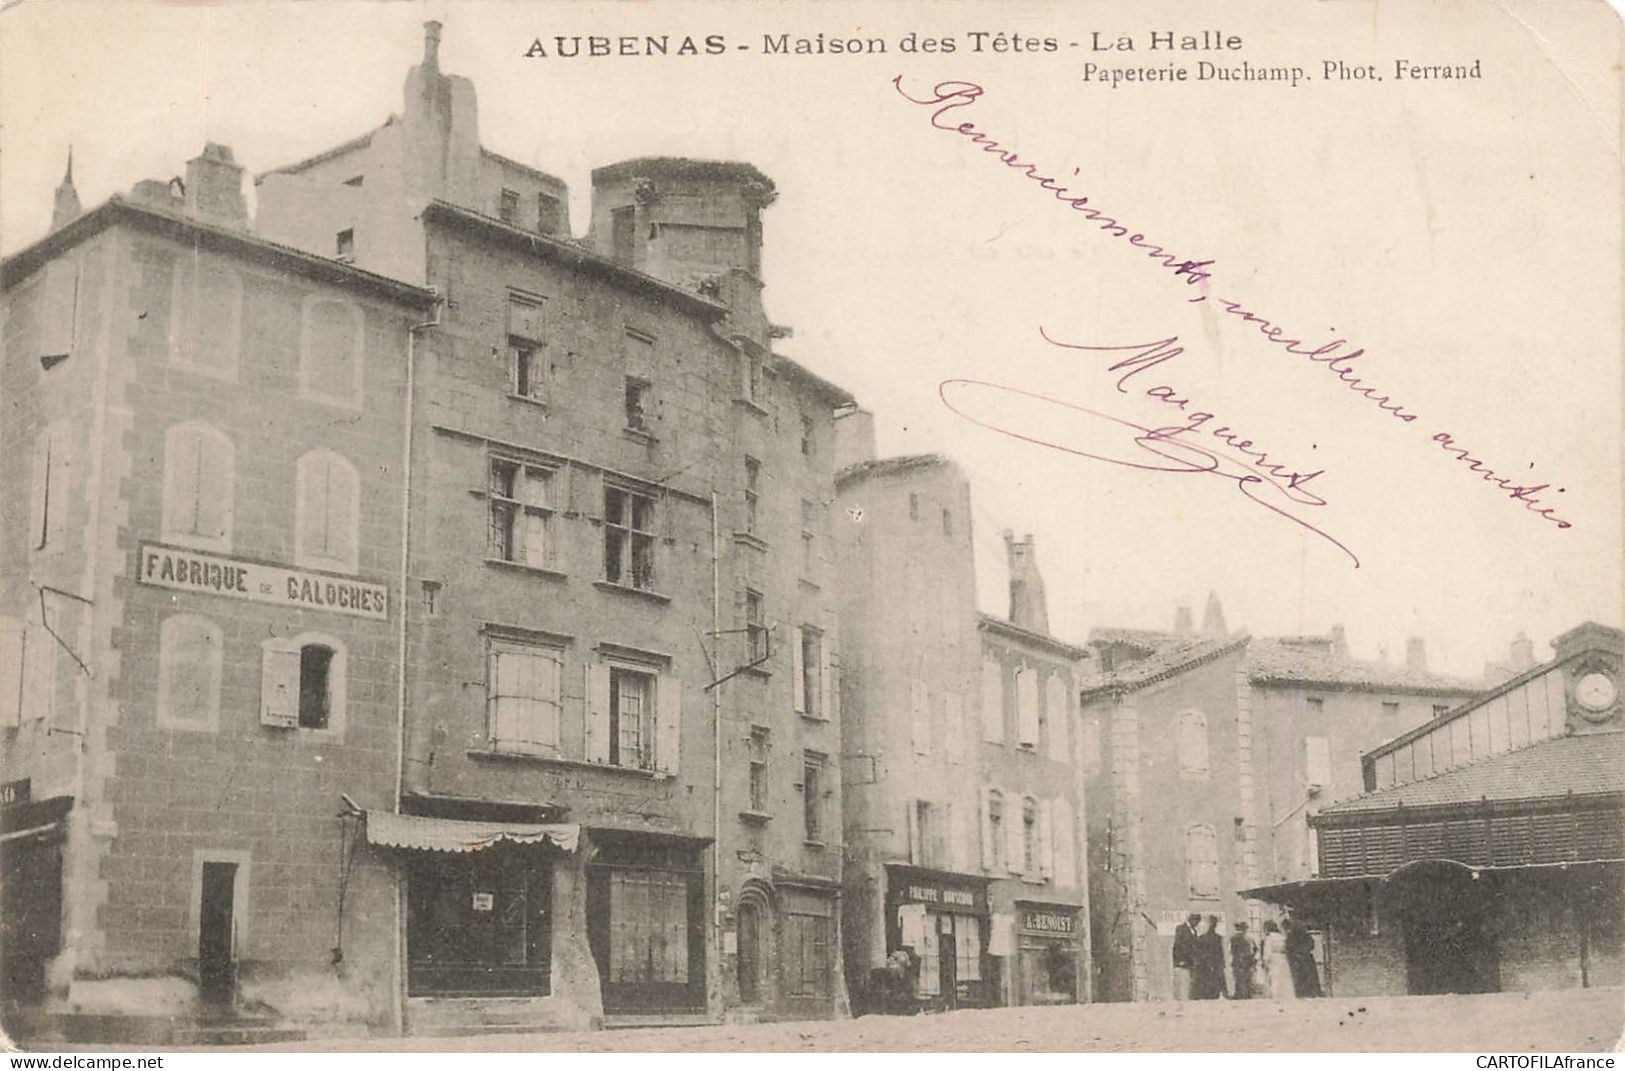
point(756, 958)
point(750, 953)
point(1443, 908)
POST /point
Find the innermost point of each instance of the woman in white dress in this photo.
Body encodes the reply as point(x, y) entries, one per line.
point(1276, 968)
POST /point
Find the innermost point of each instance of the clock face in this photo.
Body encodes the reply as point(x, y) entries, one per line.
point(1595, 692)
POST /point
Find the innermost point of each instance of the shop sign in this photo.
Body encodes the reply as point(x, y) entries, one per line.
point(933, 894)
point(484, 901)
point(1040, 920)
point(16, 792)
point(234, 578)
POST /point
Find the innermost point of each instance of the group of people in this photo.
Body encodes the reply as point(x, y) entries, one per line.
point(1282, 966)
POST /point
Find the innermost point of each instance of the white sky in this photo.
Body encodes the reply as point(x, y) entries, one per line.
point(1467, 234)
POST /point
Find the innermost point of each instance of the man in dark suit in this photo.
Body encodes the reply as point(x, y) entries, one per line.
point(1243, 959)
point(1185, 955)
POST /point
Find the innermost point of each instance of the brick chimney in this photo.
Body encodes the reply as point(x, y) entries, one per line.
point(1213, 626)
point(854, 437)
point(1027, 605)
point(1416, 655)
point(214, 188)
point(1521, 654)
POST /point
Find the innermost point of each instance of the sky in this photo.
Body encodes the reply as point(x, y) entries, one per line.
point(1465, 235)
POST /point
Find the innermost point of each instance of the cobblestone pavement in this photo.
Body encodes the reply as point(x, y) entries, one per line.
point(1588, 1020)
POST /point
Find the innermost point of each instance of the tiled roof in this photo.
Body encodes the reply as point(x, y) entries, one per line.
point(1150, 639)
point(884, 465)
point(1310, 660)
point(1181, 655)
point(1011, 630)
point(1584, 764)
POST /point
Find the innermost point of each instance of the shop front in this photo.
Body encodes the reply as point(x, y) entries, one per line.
point(31, 835)
point(646, 921)
point(1047, 943)
point(942, 920)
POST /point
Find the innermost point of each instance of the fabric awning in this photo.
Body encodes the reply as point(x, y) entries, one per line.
point(417, 833)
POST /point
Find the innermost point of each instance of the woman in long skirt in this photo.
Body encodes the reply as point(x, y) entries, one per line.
point(1277, 969)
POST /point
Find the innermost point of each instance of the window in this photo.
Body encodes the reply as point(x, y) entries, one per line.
point(526, 322)
point(189, 665)
point(809, 540)
point(913, 506)
point(637, 395)
point(631, 737)
point(751, 365)
point(521, 514)
point(523, 696)
point(623, 234)
point(508, 206)
point(198, 473)
point(549, 214)
point(1241, 830)
point(925, 834)
point(1390, 710)
point(1027, 706)
point(1192, 744)
point(810, 670)
point(1440, 709)
point(947, 523)
point(993, 829)
point(807, 436)
point(812, 798)
point(629, 540)
point(755, 627)
point(760, 742)
point(1317, 705)
point(327, 526)
point(205, 324)
point(528, 371)
point(479, 923)
point(1029, 836)
point(753, 476)
point(330, 352)
point(1317, 761)
point(344, 245)
point(920, 717)
point(968, 948)
point(1202, 861)
point(302, 683)
point(1058, 717)
point(992, 701)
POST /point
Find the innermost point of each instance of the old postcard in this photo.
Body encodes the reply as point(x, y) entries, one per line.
point(811, 526)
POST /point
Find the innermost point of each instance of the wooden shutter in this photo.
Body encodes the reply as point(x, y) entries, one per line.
point(668, 723)
point(12, 649)
point(1027, 705)
point(57, 312)
point(343, 510)
point(953, 726)
point(213, 487)
point(313, 505)
point(825, 677)
point(279, 686)
point(597, 712)
point(920, 717)
point(798, 669)
point(1015, 832)
point(40, 504)
point(992, 702)
point(1046, 845)
point(1060, 719)
point(989, 851)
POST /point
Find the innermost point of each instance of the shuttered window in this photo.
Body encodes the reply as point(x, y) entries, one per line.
point(1058, 718)
point(992, 701)
point(199, 464)
point(1027, 706)
point(206, 319)
point(329, 512)
point(1202, 861)
point(1192, 744)
point(189, 666)
point(920, 717)
point(523, 695)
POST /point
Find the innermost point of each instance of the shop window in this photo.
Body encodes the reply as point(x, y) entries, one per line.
point(992, 701)
point(753, 478)
point(760, 743)
point(521, 514)
point(199, 462)
point(812, 798)
point(479, 923)
point(629, 538)
point(549, 214)
point(755, 627)
point(302, 683)
point(810, 670)
point(1191, 744)
point(523, 696)
point(993, 829)
point(326, 529)
point(205, 323)
point(1048, 971)
point(508, 206)
point(807, 955)
point(1202, 861)
point(920, 717)
point(1027, 707)
point(189, 666)
point(330, 361)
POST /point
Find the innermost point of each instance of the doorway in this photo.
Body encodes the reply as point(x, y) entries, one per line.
point(750, 954)
point(1448, 947)
point(948, 967)
point(217, 967)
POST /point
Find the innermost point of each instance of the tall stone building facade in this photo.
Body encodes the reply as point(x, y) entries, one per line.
point(964, 882)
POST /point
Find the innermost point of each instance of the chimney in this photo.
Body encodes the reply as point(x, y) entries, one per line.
point(1182, 622)
point(431, 45)
point(440, 121)
point(1521, 654)
point(1416, 655)
point(214, 188)
point(1213, 618)
point(65, 207)
point(854, 437)
point(1340, 644)
point(1027, 604)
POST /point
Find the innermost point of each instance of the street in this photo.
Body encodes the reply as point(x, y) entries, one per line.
point(1576, 1020)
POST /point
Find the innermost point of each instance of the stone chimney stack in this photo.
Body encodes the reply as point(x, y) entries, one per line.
point(1340, 644)
point(65, 207)
point(442, 128)
point(854, 437)
point(1213, 625)
point(1416, 655)
point(1028, 609)
point(1182, 622)
point(1521, 654)
point(214, 188)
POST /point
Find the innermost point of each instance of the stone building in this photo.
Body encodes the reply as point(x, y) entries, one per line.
point(1258, 734)
point(621, 617)
point(964, 833)
point(199, 608)
point(1488, 851)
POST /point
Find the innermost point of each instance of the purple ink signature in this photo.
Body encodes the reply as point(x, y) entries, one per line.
point(1190, 447)
point(948, 96)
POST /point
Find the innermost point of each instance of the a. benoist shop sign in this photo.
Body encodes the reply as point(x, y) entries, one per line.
point(1050, 921)
point(233, 578)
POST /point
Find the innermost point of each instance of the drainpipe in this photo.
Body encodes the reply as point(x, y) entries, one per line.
point(716, 748)
point(398, 998)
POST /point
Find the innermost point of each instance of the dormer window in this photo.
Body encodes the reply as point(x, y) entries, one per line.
point(508, 206)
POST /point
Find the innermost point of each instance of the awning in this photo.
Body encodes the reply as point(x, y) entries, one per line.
point(416, 833)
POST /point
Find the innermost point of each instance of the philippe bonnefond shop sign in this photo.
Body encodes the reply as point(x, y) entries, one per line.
point(235, 578)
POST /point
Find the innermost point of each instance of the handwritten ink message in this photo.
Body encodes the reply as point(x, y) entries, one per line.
point(1174, 448)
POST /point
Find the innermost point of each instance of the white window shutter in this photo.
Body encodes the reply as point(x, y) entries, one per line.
point(992, 702)
point(343, 511)
point(12, 649)
point(56, 318)
point(1060, 719)
point(1015, 832)
point(213, 489)
point(597, 707)
point(911, 820)
point(279, 687)
point(1046, 843)
point(798, 672)
point(502, 685)
point(920, 717)
point(953, 726)
point(312, 519)
point(39, 510)
point(990, 852)
point(825, 677)
point(668, 723)
point(1027, 705)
